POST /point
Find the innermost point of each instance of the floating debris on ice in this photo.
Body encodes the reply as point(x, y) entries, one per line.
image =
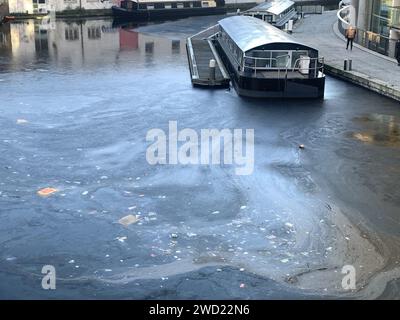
point(121, 239)
point(85, 193)
point(191, 234)
point(46, 192)
point(129, 219)
point(243, 207)
point(285, 260)
point(71, 261)
point(22, 121)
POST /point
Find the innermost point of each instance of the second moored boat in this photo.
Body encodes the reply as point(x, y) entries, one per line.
point(139, 10)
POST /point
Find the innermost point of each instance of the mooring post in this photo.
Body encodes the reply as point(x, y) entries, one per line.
point(212, 66)
point(345, 65)
point(350, 65)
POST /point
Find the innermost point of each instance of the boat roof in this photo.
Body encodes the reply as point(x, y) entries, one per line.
point(274, 7)
point(249, 33)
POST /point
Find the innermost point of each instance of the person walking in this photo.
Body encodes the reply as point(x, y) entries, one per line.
point(350, 35)
point(397, 52)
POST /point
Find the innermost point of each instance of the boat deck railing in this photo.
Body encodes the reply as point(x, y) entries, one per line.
point(259, 64)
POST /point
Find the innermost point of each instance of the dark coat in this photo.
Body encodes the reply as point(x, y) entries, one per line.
point(397, 51)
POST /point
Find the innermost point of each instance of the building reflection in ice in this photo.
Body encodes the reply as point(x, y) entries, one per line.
point(77, 43)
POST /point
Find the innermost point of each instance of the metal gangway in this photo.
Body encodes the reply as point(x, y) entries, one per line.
point(205, 64)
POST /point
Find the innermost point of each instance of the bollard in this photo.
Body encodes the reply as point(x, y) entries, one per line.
point(212, 66)
point(349, 65)
point(345, 65)
point(290, 26)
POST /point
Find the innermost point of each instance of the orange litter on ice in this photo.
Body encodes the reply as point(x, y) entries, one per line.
point(46, 192)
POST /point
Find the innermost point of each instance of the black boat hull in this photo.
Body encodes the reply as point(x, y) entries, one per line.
point(249, 86)
point(159, 14)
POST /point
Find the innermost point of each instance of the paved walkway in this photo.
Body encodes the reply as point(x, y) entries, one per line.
point(370, 69)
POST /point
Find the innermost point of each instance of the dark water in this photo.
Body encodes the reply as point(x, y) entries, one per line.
point(77, 100)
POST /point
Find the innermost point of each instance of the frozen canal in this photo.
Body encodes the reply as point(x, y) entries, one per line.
point(77, 101)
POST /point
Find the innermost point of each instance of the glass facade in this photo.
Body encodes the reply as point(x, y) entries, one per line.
point(378, 24)
point(385, 17)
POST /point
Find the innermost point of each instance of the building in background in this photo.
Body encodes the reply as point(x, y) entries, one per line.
point(3, 8)
point(45, 6)
point(377, 21)
point(379, 16)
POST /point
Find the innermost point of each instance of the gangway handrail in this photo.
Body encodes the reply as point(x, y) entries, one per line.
point(197, 35)
point(192, 59)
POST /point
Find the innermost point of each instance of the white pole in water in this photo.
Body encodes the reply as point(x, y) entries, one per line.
point(212, 66)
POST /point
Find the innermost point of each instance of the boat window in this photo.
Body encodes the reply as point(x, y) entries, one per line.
point(179, 5)
point(280, 59)
point(296, 58)
point(150, 6)
point(159, 6)
point(186, 4)
point(142, 6)
point(168, 6)
point(197, 4)
point(205, 4)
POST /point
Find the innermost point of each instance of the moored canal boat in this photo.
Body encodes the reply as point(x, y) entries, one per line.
point(166, 9)
point(264, 61)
